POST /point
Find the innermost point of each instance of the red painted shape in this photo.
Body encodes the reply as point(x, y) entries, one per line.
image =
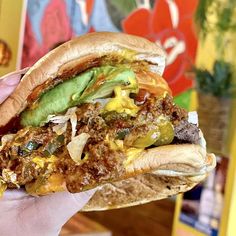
point(156, 25)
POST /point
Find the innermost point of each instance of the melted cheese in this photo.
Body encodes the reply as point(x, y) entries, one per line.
point(3, 186)
point(132, 153)
point(115, 144)
point(121, 103)
point(46, 185)
point(40, 161)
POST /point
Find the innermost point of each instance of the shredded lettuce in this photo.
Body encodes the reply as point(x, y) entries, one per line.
point(61, 120)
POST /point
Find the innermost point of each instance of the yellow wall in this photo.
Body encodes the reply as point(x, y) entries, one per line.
point(12, 20)
point(228, 228)
point(206, 56)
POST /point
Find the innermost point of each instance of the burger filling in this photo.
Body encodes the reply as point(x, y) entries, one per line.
point(84, 131)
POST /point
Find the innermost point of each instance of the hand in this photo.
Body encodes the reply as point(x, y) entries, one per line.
point(9, 82)
point(22, 214)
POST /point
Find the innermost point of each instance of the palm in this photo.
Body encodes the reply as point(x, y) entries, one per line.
point(27, 215)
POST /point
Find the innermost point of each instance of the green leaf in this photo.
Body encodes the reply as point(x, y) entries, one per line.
point(124, 6)
point(119, 9)
point(184, 99)
point(218, 83)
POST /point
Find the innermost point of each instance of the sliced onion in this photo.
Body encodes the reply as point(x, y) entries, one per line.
point(60, 128)
point(73, 121)
point(202, 141)
point(62, 119)
point(76, 146)
point(6, 138)
point(102, 101)
point(193, 117)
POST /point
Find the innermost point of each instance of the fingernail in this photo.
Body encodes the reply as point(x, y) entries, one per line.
point(11, 80)
point(15, 73)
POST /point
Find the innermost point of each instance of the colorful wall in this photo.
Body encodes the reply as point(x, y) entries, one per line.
point(50, 23)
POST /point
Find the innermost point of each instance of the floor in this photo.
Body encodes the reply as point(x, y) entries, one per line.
point(151, 219)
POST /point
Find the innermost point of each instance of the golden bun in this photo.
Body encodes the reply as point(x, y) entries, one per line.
point(138, 190)
point(75, 54)
point(163, 172)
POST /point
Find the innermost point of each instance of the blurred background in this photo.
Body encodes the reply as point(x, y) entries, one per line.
point(199, 39)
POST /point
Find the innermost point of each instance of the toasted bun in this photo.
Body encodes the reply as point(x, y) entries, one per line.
point(74, 55)
point(173, 160)
point(172, 169)
point(139, 190)
point(165, 171)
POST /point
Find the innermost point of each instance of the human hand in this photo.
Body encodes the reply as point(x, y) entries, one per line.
point(22, 214)
point(26, 215)
point(9, 82)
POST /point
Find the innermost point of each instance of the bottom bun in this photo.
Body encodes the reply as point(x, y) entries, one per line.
point(139, 190)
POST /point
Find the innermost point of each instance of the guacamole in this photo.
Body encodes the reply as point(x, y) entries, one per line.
point(95, 83)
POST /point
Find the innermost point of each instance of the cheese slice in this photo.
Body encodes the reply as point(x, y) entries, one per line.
point(121, 103)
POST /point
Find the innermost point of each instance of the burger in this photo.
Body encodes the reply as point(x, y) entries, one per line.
point(95, 112)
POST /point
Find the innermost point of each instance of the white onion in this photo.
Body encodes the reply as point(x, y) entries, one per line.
point(76, 145)
point(6, 138)
point(62, 119)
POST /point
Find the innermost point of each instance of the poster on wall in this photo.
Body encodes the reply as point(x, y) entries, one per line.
point(202, 206)
point(167, 22)
point(12, 15)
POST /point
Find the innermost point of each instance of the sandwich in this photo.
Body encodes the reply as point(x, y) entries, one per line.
point(95, 112)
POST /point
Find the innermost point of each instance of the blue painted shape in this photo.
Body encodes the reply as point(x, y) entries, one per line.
point(35, 11)
point(100, 18)
point(74, 13)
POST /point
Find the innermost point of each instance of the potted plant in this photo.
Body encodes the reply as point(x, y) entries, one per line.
point(215, 90)
point(216, 87)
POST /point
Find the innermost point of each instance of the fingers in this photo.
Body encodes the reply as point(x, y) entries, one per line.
point(18, 72)
point(44, 215)
point(9, 82)
point(64, 204)
point(15, 194)
point(56, 209)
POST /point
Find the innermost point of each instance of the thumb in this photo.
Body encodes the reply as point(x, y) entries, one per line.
point(9, 82)
point(62, 206)
point(56, 209)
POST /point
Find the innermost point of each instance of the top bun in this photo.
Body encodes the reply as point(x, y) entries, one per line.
point(75, 54)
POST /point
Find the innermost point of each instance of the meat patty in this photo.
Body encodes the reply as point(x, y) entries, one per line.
point(186, 132)
point(30, 152)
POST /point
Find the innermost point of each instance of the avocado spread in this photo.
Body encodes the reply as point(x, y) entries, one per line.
point(98, 82)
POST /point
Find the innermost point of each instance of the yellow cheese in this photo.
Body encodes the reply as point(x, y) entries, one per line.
point(45, 185)
point(122, 103)
point(115, 144)
point(40, 161)
point(132, 153)
point(3, 186)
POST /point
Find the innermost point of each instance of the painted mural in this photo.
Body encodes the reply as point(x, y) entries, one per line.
point(168, 22)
